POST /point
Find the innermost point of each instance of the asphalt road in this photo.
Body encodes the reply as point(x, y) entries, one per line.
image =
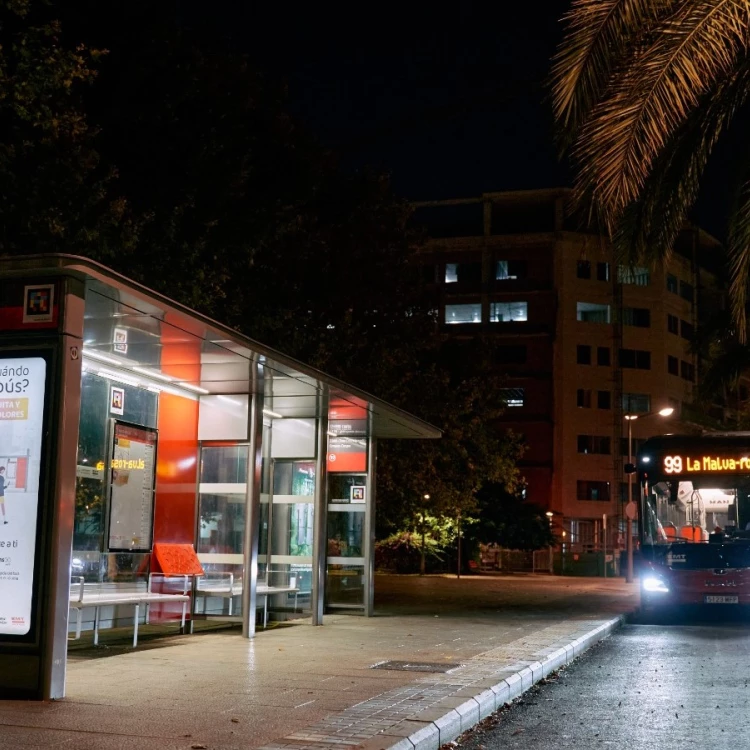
point(670, 685)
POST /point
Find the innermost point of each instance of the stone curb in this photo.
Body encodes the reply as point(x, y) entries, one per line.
point(455, 715)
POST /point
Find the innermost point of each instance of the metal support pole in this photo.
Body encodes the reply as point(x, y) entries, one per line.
point(55, 635)
point(629, 525)
point(320, 523)
point(252, 500)
point(372, 462)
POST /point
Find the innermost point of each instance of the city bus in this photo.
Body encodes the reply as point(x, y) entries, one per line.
point(694, 520)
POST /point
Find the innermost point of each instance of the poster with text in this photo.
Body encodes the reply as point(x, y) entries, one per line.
point(132, 500)
point(22, 384)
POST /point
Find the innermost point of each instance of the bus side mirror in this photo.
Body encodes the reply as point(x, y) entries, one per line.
point(630, 468)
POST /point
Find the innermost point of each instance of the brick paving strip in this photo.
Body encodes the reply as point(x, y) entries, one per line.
point(436, 708)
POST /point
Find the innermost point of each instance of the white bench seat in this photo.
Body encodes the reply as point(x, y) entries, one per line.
point(87, 596)
point(227, 586)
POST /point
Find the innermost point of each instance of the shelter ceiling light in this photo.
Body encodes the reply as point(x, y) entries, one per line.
point(117, 377)
point(270, 413)
point(192, 387)
point(101, 357)
point(154, 374)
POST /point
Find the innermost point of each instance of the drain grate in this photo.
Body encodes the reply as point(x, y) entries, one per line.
point(417, 666)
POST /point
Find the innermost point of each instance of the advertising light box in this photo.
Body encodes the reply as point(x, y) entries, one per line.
point(132, 468)
point(22, 385)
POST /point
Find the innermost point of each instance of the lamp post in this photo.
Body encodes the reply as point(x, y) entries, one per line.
point(630, 509)
point(549, 515)
point(422, 561)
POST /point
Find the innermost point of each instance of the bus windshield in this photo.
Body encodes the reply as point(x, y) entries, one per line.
point(691, 510)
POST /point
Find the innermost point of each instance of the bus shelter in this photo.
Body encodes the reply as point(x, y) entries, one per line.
point(133, 430)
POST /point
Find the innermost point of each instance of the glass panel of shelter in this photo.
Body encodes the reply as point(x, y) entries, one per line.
point(345, 557)
point(221, 528)
point(92, 558)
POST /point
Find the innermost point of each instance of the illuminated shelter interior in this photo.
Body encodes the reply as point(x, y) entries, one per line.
point(190, 433)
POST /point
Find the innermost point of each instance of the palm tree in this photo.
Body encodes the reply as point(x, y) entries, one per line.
point(642, 90)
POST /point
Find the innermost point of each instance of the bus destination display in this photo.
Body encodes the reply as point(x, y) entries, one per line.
point(705, 464)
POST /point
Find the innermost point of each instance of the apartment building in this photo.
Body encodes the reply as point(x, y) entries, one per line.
point(583, 342)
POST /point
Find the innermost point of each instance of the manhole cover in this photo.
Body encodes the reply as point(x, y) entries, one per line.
point(416, 666)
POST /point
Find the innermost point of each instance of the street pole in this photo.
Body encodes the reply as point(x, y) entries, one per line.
point(424, 513)
point(421, 562)
point(551, 552)
point(629, 523)
point(458, 574)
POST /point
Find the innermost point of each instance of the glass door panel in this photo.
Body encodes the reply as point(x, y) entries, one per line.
point(345, 557)
point(221, 529)
point(291, 532)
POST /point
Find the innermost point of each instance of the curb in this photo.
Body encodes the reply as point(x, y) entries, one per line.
point(434, 727)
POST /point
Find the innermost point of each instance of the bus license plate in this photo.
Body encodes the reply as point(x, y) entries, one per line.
point(714, 599)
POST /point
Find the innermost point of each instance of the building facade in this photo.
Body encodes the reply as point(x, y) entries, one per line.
point(584, 343)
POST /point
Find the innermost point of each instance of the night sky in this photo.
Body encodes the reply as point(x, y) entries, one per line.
point(450, 102)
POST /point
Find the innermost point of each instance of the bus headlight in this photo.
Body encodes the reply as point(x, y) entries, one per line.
point(654, 584)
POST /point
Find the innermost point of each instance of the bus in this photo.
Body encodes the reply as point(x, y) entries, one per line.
point(694, 520)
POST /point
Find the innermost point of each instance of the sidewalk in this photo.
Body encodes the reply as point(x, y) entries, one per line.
point(315, 688)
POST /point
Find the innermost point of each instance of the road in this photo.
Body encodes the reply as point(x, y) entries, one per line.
point(672, 685)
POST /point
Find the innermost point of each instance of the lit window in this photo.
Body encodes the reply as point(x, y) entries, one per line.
point(465, 273)
point(591, 312)
point(507, 312)
point(463, 313)
point(512, 396)
point(509, 270)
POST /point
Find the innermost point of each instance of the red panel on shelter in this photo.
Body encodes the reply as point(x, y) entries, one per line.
point(176, 470)
point(177, 456)
point(176, 560)
point(347, 462)
point(340, 409)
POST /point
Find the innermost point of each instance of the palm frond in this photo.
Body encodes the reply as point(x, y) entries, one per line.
point(723, 369)
point(738, 247)
point(648, 227)
point(648, 99)
point(597, 34)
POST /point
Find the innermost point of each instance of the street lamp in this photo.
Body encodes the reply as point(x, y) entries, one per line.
point(630, 508)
